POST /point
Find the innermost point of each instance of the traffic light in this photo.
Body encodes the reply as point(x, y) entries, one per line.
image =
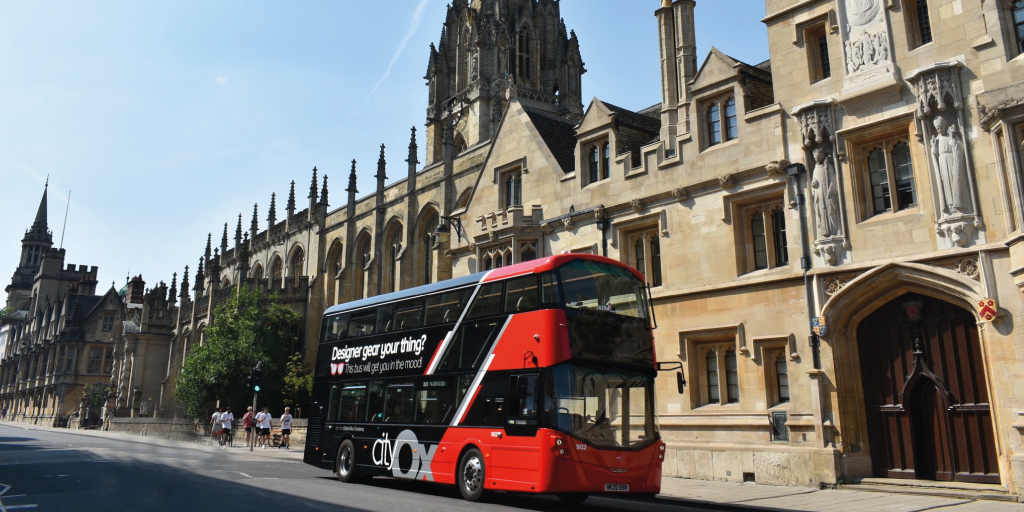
point(249, 381)
point(257, 379)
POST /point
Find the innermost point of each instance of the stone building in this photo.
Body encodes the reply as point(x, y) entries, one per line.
point(862, 184)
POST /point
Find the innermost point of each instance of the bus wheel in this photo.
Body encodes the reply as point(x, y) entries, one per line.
point(345, 468)
point(472, 475)
point(573, 498)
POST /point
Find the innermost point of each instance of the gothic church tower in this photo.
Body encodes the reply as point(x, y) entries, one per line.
point(38, 239)
point(487, 46)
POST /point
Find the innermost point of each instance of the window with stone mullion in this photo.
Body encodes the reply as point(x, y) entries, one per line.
point(595, 172)
point(826, 66)
point(924, 25)
point(1018, 24)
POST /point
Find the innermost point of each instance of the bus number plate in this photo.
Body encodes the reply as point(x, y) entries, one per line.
point(616, 487)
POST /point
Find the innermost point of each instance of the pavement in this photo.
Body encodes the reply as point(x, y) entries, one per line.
point(677, 493)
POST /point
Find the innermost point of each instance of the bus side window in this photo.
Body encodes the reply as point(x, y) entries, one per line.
point(384, 320)
point(436, 401)
point(408, 315)
point(334, 328)
point(521, 295)
point(445, 308)
point(332, 405)
point(523, 398)
point(375, 402)
point(400, 403)
point(353, 402)
point(488, 410)
point(362, 323)
point(551, 295)
point(487, 302)
point(470, 344)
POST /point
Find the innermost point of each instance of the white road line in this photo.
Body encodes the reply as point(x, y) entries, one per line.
point(18, 507)
point(243, 474)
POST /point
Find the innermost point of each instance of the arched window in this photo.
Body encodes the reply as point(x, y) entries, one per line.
point(1018, 24)
point(714, 125)
point(513, 189)
point(639, 255)
point(779, 237)
point(606, 160)
point(732, 378)
point(525, 62)
point(595, 172)
point(919, 26)
point(296, 267)
point(460, 145)
point(528, 252)
point(655, 261)
point(731, 125)
point(903, 167)
point(276, 268)
point(879, 181)
point(257, 272)
point(488, 262)
point(711, 364)
point(781, 378)
point(758, 239)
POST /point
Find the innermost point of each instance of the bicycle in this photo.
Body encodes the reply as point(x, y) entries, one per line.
point(229, 437)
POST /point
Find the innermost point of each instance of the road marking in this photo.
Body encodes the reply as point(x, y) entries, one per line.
point(243, 474)
point(17, 507)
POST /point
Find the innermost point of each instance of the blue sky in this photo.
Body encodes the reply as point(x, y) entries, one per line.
point(167, 119)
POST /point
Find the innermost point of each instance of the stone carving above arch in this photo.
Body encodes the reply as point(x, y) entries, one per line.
point(867, 52)
point(863, 294)
point(941, 130)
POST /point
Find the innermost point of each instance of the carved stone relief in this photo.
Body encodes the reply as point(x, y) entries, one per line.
point(637, 205)
point(726, 181)
point(940, 129)
point(680, 194)
point(866, 48)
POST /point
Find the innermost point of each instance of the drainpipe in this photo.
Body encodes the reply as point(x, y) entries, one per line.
point(796, 171)
point(602, 224)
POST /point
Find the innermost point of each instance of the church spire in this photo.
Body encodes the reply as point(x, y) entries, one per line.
point(224, 240)
point(323, 193)
point(238, 231)
point(291, 201)
point(209, 248)
point(312, 190)
point(381, 175)
point(172, 295)
point(254, 227)
point(41, 213)
point(184, 286)
point(272, 216)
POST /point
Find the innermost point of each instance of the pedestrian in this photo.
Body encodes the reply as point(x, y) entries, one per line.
point(263, 421)
point(216, 426)
point(286, 429)
point(247, 423)
point(3, 414)
point(226, 419)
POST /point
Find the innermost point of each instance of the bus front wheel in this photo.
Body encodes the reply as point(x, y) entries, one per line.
point(472, 474)
point(345, 468)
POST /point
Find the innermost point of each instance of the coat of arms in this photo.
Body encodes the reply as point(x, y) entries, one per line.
point(987, 309)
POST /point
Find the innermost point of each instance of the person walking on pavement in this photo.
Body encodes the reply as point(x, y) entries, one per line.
point(263, 420)
point(216, 426)
point(247, 423)
point(226, 419)
point(286, 429)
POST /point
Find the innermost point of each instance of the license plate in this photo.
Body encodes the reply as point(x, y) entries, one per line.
point(616, 487)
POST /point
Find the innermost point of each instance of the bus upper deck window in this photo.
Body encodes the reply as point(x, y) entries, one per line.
point(487, 302)
point(521, 295)
point(550, 293)
point(334, 328)
point(362, 323)
point(408, 315)
point(445, 308)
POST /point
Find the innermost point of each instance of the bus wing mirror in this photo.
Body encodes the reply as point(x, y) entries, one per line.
point(678, 367)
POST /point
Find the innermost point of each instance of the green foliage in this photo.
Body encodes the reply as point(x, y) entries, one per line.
point(248, 328)
point(96, 394)
point(298, 385)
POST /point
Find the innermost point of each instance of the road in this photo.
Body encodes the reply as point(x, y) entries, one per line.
point(53, 470)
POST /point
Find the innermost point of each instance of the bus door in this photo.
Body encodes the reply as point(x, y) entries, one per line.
point(516, 458)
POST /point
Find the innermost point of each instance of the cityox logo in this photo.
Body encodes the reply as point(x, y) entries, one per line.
point(405, 456)
point(337, 368)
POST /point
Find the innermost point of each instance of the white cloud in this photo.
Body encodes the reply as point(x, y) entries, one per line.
point(414, 24)
point(222, 79)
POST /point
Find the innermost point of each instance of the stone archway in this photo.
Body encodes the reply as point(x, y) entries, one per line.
point(857, 304)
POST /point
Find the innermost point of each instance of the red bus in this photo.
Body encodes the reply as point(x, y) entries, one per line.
point(535, 378)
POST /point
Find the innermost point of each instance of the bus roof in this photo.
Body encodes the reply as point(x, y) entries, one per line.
point(456, 282)
point(519, 269)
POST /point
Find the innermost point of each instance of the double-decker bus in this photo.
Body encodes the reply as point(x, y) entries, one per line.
point(536, 378)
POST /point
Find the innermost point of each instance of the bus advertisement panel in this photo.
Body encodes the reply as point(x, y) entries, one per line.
point(537, 378)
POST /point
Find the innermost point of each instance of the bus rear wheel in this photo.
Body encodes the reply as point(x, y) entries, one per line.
point(573, 498)
point(345, 467)
point(472, 474)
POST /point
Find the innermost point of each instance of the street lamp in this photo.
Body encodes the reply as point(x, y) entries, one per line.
point(443, 234)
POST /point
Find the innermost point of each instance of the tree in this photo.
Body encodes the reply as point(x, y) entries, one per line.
point(248, 328)
point(96, 395)
point(298, 384)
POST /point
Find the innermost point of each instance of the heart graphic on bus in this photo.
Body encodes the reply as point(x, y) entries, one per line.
point(337, 368)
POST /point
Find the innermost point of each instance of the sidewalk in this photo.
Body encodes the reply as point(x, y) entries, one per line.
point(771, 497)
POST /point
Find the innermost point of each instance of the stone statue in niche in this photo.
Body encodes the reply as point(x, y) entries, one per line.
point(948, 154)
point(825, 193)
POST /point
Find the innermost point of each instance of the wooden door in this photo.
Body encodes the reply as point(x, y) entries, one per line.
point(928, 412)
